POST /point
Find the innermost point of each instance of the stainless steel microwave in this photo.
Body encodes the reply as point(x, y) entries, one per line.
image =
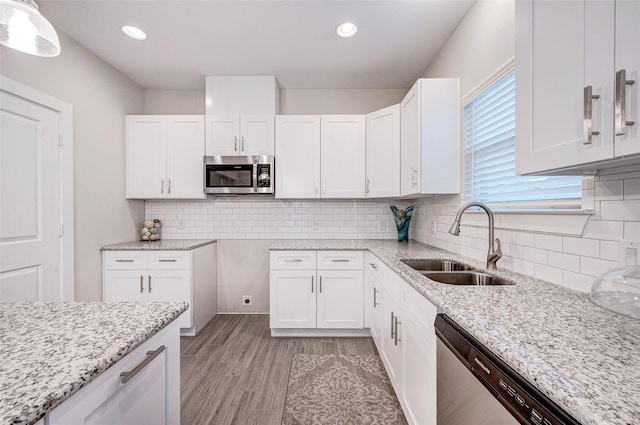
point(239, 175)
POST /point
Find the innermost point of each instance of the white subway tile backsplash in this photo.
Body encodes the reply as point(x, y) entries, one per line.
point(550, 274)
point(564, 261)
point(550, 242)
point(608, 230)
point(581, 246)
point(577, 281)
point(632, 189)
point(632, 230)
point(536, 255)
point(620, 210)
point(609, 190)
point(595, 266)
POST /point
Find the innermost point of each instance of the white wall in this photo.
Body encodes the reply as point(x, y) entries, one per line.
point(101, 97)
point(484, 40)
point(174, 102)
point(337, 101)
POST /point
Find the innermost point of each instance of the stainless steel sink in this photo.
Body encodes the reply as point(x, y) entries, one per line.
point(467, 278)
point(436, 265)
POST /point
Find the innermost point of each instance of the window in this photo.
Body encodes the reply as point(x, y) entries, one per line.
point(489, 149)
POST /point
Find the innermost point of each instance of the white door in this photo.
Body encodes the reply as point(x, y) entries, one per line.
point(171, 285)
point(410, 142)
point(30, 257)
point(257, 134)
point(340, 299)
point(297, 156)
point(383, 153)
point(222, 135)
point(627, 56)
point(342, 156)
point(185, 152)
point(293, 298)
point(146, 156)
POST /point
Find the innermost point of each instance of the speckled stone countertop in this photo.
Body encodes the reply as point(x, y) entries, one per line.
point(161, 245)
point(573, 351)
point(49, 351)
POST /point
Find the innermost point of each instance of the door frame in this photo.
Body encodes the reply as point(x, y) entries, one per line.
point(65, 169)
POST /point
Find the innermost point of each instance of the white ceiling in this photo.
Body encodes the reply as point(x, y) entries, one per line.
point(293, 40)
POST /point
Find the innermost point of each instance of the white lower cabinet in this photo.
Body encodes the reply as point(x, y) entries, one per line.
point(316, 290)
point(150, 396)
point(402, 329)
point(150, 276)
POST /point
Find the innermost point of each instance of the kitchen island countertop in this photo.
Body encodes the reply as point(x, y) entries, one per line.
point(50, 350)
point(161, 245)
point(576, 353)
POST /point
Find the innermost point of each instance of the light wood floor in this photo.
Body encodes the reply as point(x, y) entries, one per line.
point(233, 372)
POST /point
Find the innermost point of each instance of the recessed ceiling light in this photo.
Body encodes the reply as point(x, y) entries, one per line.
point(133, 32)
point(347, 30)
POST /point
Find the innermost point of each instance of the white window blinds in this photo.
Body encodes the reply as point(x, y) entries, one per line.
point(489, 144)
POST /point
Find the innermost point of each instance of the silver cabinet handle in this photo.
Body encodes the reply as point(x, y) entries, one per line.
point(340, 260)
point(293, 260)
point(149, 283)
point(316, 186)
point(124, 261)
point(141, 284)
point(621, 102)
point(321, 284)
point(161, 186)
point(375, 298)
point(242, 138)
point(128, 376)
point(167, 260)
point(235, 143)
point(367, 185)
point(312, 284)
point(374, 266)
point(393, 319)
point(589, 132)
point(395, 336)
point(324, 186)
point(169, 186)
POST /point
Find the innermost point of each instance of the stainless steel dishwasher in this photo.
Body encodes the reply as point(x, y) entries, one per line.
point(475, 387)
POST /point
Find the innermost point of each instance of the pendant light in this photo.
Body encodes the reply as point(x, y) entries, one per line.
point(23, 28)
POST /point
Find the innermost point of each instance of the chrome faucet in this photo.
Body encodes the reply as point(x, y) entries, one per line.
point(494, 254)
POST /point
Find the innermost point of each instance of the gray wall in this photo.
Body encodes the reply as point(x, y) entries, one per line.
point(101, 97)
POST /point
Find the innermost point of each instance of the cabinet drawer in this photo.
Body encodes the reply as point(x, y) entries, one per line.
point(300, 260)
point(125, 260)
point(340, 260)
point(374, 266)
point(174, 260)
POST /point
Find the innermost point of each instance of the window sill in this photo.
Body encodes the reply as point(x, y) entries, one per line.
point(560, 222)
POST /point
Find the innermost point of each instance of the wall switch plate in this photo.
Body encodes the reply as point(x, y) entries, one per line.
point(629, 253)
point(383, 225)
point(247, 301)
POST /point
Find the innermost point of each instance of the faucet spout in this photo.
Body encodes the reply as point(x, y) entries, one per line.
point(495, 252)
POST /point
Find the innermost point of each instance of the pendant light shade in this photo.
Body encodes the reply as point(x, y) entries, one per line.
point(23, 28)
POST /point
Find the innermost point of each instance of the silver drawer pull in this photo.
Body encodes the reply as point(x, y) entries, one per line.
point(374, 266)
point(375, 298)
point(346, 260)
point(141, 284)
point(124, 261)
point(128, 376)
point(293, 260)
point(395, 334)
point(168, 261)
point(149, 283)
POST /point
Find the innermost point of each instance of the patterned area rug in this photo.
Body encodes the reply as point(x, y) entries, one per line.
point(340, 390)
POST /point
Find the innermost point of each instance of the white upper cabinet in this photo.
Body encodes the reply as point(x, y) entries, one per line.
point(320, 156)
point(164, 156)
point(240, 135)
point(430, 137)
point(342, 156)
point(383, 153)
point(298, 156)
point(566, 91)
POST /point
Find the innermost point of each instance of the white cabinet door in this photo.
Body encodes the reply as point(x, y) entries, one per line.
point(185, 152)
point(222, 135)
point(171, 285)
point(146, 159)
point(125, 285)
point(392, 350)
point(342, 156)
point(297, 156)
point(627, 57)
point(257, 134)
point(383, 153)
point(340, 299)
point(410, 142)
point(293, 298)
point(550, 81)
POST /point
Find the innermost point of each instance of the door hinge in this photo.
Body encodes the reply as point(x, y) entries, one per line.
point(60, 140)
point(62, 230)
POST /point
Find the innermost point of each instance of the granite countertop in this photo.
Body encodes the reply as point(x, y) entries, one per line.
point(51, 350)
point(575, 352)
point(161, 245)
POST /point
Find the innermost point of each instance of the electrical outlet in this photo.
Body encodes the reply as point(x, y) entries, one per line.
point(247, 301)
point(629, 253)
point(383, 225)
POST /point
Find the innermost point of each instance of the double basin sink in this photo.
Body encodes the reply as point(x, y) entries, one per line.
point(454, 273)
